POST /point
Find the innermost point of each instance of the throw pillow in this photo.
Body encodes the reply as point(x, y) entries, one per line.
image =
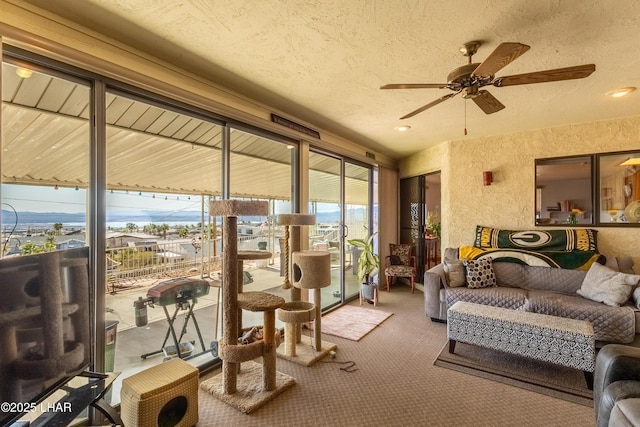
point(480, 273)
point(611, 287)
point(455, 272)
point(395, 260)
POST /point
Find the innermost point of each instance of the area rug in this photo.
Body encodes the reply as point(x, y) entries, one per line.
point(540, 377)
point(352, 322)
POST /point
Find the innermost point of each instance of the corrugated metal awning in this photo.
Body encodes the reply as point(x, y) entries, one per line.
point(149, 148)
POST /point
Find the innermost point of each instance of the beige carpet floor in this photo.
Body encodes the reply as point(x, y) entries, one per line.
point(396, 384)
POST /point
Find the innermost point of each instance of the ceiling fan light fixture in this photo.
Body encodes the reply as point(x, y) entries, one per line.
point(403, 128)
point(470, 92)
point(617, 93)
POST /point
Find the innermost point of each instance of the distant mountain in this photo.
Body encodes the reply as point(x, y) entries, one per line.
point(137, 216)
point(9, 217)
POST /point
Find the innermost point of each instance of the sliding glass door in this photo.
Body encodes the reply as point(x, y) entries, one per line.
point(340, 197)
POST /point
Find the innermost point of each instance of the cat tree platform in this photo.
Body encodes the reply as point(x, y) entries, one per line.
point(244, 384)
point(312, 271)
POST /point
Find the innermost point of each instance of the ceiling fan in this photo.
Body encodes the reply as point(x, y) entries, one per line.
point(468, 79)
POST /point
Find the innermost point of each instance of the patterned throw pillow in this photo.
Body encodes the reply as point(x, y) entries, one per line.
point(480, 273)
point(455, 273)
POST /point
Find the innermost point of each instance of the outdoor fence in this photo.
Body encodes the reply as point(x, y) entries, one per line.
point(130, 264)
point(126, 265)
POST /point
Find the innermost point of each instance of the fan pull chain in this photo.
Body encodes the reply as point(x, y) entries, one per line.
point(465, 117)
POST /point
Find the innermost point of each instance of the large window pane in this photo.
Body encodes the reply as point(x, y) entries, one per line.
point(356, 219)
point(339, 196)
point(261, 169)
point(44, 181)
point(325, 202)
point(163, 167)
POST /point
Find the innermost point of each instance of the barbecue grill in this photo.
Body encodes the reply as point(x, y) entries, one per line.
point(182, 292)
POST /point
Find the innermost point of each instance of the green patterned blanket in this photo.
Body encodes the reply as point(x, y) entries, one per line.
point(570, 248)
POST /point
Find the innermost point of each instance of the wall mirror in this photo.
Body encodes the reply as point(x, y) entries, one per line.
point(564, 191)
point(619, 188)
point(595, 189)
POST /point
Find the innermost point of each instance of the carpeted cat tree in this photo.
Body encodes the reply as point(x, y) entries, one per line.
point(242, 384)
point(311, 270)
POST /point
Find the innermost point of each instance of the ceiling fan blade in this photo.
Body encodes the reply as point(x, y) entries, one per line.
point(429, 105)
point(502, 56)
point(568, 73)
point(416, 86)
point(487, 102)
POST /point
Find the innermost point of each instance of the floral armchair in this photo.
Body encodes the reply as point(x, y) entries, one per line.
point(400, 263)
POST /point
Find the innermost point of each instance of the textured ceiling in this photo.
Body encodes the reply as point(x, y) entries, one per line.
point(323, 61)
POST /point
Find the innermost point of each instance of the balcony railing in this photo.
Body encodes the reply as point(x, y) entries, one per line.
point(127, 265)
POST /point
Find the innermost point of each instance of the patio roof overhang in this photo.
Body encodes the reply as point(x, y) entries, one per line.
point(46, 140)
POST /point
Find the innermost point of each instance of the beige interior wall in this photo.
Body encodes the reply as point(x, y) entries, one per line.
point(388, 228)
point(510, 201)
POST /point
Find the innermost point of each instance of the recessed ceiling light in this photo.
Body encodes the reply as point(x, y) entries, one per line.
point(403, 128)
point(617, 93)
point(25, 73)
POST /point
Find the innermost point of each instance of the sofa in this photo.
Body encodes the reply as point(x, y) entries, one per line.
point(616, 387)
point(542, 289)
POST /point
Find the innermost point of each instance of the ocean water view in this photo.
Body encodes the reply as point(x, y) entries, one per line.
point(25, 220)
point(74, 226)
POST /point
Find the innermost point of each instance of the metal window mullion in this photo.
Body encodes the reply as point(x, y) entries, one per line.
point(226, 161)
point(97, 217)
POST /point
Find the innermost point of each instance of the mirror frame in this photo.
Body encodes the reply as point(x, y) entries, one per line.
point(618, 201)
point(618, 195)
point(580, 209)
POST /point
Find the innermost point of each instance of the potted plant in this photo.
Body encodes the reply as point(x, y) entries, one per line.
point(433, 228)
point(368, 266)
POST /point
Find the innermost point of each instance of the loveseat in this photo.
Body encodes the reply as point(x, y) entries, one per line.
point(543, 289)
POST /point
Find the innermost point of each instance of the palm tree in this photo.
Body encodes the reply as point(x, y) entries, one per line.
point(150, 228)
point(131, 227)
point(58, 227)
point(163, 229)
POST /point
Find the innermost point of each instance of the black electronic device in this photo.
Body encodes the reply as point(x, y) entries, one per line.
point(44, 325)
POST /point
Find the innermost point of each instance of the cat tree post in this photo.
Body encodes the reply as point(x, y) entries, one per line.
point(235, 386)
point(292, 222)
point(311, 270)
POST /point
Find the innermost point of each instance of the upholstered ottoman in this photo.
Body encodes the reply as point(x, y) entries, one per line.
point(165, 394)
point(557, 340)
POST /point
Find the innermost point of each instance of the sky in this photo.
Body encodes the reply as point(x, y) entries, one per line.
point(68, 200)
point(29, 198)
